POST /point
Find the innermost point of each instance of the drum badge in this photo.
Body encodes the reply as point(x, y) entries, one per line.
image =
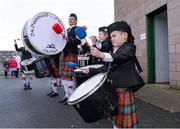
point(50, 48)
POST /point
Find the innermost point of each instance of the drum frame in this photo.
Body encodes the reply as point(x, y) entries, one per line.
point(89, 93)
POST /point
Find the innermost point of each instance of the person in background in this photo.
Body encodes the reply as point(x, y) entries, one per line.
point(13, 67)
point(55, 78)
point(25, 77)
point(18, 60)
point(6, 68)
point(103, 44)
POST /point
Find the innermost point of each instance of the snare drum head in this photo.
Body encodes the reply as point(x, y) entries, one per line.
point(87, 88)
point(89, 66)
point(40, 35)
point(27, 61)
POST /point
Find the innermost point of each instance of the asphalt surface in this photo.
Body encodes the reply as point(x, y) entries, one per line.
point(33, 109)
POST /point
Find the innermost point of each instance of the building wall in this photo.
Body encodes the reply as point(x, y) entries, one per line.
point(134, 12)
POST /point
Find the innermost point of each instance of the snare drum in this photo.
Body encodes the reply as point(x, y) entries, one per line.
point(42, 67)
point(26, 66)
point(94, 98)
point(81, 77)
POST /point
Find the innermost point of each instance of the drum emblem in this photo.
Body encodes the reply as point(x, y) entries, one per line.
point(50, 48)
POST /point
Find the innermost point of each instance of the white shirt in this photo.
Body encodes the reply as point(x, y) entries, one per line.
point(108, 57)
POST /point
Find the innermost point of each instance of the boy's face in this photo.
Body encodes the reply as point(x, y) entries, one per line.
point(72, 21)
point(118, 38)
point(102, 36)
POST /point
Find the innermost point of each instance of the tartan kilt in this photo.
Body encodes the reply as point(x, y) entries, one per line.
point(54, 71)
point(65, 72)
point(127, 114)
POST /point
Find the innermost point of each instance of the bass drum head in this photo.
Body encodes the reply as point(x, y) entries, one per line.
point(87, 88)
point(39, 37)
point(26, 42)
point(28, 61)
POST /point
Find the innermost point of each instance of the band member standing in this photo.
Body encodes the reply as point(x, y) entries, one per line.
point(103, 44)
point(123, 74)
point(70, 53)
point(25, 77)
point(54, 61)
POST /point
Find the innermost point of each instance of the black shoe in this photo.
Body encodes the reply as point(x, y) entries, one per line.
point(54, 94)
point(29, 87)
point(25, 87)
point(64, 100)
point(65, 103)
point(49, 93)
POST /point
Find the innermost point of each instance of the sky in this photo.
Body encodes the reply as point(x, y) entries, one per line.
point(14, 13)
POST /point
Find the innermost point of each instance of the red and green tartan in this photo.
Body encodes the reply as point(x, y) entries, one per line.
point(64, 71)
point(127, 114)
point(54, 70)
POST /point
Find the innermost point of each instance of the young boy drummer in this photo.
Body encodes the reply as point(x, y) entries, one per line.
point(123, 75)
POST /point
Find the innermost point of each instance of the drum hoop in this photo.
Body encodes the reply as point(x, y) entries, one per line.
point(23, 35)
point(88, 66)
point(59, 21)
point(26, 60)
point(89, 93)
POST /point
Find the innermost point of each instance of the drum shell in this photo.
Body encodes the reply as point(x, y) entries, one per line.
point(42, 67)
point(97, 105)
point(81, 77)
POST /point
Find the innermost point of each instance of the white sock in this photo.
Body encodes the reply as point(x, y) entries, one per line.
point(65, 85)
point(114, 126)
point(28, 80)
point(71, 86)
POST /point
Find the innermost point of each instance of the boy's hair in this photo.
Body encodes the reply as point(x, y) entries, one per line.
point(73, 15)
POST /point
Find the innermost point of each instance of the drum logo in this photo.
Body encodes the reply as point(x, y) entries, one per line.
point(50, 49)
point(35, 20)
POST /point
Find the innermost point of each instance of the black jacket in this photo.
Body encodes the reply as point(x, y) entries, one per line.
point(106, 47)
point(72, 43)
point(25, 53)
point(123, 73)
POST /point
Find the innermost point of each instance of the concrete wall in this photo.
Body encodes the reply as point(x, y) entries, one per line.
point(134, 12)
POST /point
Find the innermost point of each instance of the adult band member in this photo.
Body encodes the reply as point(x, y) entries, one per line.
point(25, 77)
point(69, 54)
point(123, 74)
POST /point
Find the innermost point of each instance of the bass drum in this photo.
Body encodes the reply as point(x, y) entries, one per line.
point(94, 98)
point(39, 37)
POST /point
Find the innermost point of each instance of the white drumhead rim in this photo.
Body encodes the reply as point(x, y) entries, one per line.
point(90, 92)
point(31, 41)
point(89, 66)
point(27, 61)
point(24, 43)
